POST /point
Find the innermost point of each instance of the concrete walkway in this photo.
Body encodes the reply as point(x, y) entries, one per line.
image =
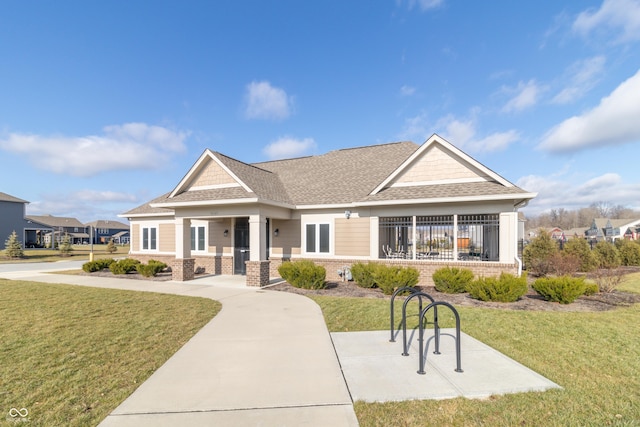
point(266, 359)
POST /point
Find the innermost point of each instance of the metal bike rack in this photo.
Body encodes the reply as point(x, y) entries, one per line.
point(393, 297)
point(405, 346)
point(421, 336)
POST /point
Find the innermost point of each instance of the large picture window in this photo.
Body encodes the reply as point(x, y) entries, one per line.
point(149, 238)
point(198, 238)
point(317, 238)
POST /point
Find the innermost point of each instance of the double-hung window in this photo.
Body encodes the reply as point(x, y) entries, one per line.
point(149, 238)
point(317, 238)
point(197, 238)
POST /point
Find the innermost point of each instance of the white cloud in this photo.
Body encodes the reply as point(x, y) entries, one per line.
point(523, 96)
point(613, 122)
point(424, 5)
point(85, 205)
point(288, 147)
point(407, 90)
point(572, 192)
point(128, 146)
point(619, 16)
point(460, 132)
point(267, 102)
point(583, 75)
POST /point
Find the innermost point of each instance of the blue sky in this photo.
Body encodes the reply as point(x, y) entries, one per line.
point(106, 105)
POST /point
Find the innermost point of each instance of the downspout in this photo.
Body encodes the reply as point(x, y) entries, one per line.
point(517, 206)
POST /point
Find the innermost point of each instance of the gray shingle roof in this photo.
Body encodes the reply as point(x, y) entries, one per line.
point(56, 221)
point(487, 188)
point(4, 197)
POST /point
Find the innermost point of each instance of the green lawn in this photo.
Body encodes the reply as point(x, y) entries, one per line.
point(80, 252)
point(70, 354)
point(594, 356)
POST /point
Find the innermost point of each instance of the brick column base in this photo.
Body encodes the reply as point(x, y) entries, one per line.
point(257, 273)
point(183, 269)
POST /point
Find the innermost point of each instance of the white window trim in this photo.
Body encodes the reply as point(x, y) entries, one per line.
point(206, 237)
point(317, 252)
point(149, 227)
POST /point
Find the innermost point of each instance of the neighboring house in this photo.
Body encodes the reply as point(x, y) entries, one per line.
point(12, 218)
point(576, 233)
point(613, 229)
point(60, 226)
point(424, 206)
point(105, 230)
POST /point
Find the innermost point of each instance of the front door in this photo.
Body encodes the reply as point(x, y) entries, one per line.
point(241, 246)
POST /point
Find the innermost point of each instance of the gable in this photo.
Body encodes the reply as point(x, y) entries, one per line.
point(210, 175)
point(437, 165)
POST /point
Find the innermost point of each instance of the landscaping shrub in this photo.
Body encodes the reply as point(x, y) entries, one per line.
point(608, 279)
point(607, 255)
point(506, 288)
point(563, 289)
point(581, 249)
point(629, 251)
point(303, 274)
point(65, 246)
point(591, 288)
point(363, 274)
point(151, 269)
point(123, 266)
point(452, 280)
point(391, 277)
point(563, 264)
point(111, 247)
point(13, 246)
point(97, 265)
point(537, 254)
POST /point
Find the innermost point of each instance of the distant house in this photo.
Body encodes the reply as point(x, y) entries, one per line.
point(424, 206)
point(613, 229)
point(556, 233)
point(105, 230)
point(576, 233)
point(12, 218)
point(61, 226)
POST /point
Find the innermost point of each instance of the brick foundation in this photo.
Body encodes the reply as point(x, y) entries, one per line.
point(425, 268)
point(258, 273)
point(183, 269)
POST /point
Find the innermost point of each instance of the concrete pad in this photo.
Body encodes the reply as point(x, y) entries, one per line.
point(376, 371)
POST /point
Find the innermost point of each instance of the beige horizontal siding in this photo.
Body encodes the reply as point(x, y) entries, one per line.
point(352, 237)
point(167, 238)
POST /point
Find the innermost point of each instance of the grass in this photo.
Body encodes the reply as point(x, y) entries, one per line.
point(70, 354)
point(594, 356)
point(79, 253)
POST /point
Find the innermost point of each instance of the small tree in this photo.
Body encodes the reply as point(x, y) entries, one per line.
point(537, 254)
point(629, 251)
point(65, 246)
point(607, 255)
point(580, 248)
point(13, 246)
point(111, 247)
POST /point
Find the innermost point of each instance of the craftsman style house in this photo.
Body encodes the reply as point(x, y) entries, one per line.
point(423, 205)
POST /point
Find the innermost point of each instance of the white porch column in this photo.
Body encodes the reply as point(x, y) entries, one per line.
point(257, 238)
point(508, 237)
point(183, 238)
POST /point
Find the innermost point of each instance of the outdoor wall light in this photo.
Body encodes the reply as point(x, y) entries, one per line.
point(276, 232)
point(226, 233)
point(347, 214)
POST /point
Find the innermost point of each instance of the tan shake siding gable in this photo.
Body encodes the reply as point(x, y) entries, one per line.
point(211, 174)
point(352, 237)
point(436, 164)
point(167, 238)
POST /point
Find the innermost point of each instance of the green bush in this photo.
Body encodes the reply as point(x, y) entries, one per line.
point(151, 269)
point(303, 274)
point(364, 274)
point(629, 251)
point(13, 246)
point(563, 289)
point(607, 255)
point(97, 265)
point(452, 280)
point(391, 277)
point(537, 254)
point(506, 288)
point(123, 266)
point(580, 248)
point(591, 288)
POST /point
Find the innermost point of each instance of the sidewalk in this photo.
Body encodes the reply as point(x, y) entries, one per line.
point(266, 359)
